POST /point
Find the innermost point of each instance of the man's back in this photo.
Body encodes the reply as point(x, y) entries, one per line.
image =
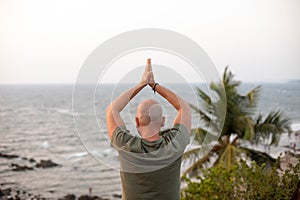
point(162, 183)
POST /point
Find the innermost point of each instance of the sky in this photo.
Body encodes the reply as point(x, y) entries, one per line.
point(48, 41)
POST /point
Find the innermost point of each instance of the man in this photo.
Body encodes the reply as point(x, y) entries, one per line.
point(156, 156)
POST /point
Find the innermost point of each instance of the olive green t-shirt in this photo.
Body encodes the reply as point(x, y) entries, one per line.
point(151, 170)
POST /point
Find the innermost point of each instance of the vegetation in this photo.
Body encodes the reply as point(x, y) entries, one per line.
point(243, 182)
point(240, 127)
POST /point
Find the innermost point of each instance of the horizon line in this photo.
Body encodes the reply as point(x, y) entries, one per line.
point(111, 83)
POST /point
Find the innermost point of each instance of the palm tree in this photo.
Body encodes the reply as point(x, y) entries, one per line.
point(238, 129)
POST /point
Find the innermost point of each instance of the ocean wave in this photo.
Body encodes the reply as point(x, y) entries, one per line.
point(67, 112)
point(76, 155)
point(45, 145)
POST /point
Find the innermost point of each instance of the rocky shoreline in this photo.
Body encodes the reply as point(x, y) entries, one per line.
point(18, 194)
point(15, 193)
point(17, 167)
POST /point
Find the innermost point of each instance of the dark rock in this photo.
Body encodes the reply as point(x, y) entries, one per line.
point(85, 197)
point(99, 198)
point(32, 160)
point(117, 195)
point(46, 164)
point(5, 192)
point(8, 156)
point(17, 167)
point(88, 197)
point(69, 197)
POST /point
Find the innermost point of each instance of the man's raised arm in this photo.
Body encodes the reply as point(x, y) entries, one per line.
point(183, 108)
point(113, 116)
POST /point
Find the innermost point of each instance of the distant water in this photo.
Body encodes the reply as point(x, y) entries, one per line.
point(36, 121)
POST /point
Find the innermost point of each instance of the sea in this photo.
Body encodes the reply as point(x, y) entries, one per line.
point(43, 122)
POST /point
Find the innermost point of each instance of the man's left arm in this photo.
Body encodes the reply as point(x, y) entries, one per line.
point(113, 116)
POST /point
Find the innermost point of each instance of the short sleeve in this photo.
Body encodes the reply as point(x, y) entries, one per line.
point(122, 139)
point(178, 132)
point(120, 136)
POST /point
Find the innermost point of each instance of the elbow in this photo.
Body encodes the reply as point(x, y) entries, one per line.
point(110, 111)
point(186, 107)
point(108, 108)
point(187, 110)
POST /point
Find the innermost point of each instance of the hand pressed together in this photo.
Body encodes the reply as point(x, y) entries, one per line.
point(148, 77)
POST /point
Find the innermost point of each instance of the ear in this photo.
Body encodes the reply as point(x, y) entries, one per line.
point(137, 122)
point(163, 121)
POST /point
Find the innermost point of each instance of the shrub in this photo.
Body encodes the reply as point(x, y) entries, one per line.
point(243, 182)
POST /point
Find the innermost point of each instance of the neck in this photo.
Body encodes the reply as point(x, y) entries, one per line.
point(149, 134)
point(152, 138)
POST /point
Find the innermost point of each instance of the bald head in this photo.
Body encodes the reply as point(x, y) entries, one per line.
point(149, 111)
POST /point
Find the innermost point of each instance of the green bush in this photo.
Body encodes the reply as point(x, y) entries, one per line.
point(243, 182)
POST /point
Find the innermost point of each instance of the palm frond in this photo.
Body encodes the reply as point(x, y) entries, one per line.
point(248, 103)
point(228, 79)
point(268, 131)
point(203, 114)
point(204, 96)
point(249, 132)
point(199, 164)
point(192, 155)
point(253, 95)
point(219, 90)
point(209, 121)
point(199, 134)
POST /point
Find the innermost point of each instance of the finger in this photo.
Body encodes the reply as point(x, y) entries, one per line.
point(149, 65)
point(150, 77)
point(150, 74)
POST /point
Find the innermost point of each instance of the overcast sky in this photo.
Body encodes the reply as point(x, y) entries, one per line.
point(48, 41)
